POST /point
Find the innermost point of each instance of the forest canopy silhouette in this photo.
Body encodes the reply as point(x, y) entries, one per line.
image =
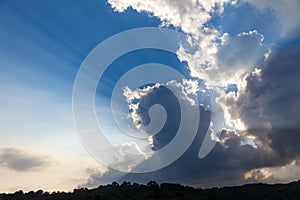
point(153, 190)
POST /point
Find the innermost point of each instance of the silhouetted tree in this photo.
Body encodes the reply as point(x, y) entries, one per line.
point(153, 184)
point(115, 184)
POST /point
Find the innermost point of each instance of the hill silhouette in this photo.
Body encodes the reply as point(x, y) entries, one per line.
point(153, 190)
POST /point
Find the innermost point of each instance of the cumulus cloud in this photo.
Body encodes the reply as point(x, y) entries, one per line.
point(98, 176)
point(20, 160)
point(128, 152)
point(232, 58)
point(240, 54)
point(218, 59)
point(269, 107)
point(262, 122)
point(189, 15)
point(138, 99)
point(270, 101)
point(128, 157)
point(170, 96)
point(216, 62)
point(267, 88)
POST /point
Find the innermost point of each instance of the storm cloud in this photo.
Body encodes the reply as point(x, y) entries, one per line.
point(269, 107)
point(270, 103)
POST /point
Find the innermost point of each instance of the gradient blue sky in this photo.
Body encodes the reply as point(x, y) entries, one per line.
point(42, 45)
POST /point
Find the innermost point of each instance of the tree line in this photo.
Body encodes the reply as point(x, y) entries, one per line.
point(153, 190)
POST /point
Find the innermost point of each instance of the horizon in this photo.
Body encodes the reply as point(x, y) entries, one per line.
point(125, 183)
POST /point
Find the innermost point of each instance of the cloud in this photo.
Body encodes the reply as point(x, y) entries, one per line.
point(268, 99)
point(257, 174)
point(139, 99)
point(21, 161)
point(128, 157)
point(169, 96)
point(207, 56)
point(164, 96)
point(262, 123)
point(274, 93)
point(240, 54)
point(189, 15)
point(287, 14)
point(129, 152)
point(98, 176)
point(234, 56)
point(268, 105)
point(282, 174)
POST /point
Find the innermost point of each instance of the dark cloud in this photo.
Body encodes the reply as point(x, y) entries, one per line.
point(21, 161)
point(240, 52)
point(269, 105)
point(221, 164)
point(162, 96)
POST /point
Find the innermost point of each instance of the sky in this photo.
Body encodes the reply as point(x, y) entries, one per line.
point(202, 93)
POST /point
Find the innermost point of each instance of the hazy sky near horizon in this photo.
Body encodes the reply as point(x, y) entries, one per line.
point(254, 45)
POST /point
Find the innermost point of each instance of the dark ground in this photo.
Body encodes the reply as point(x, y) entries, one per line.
point(166, 191)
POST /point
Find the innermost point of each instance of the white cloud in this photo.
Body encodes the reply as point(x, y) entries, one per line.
point(188, 15)
point(136, 94)
point(211, 61)
point(191, 86)
point(227, 61)
point(185, 89)
point(128, 153)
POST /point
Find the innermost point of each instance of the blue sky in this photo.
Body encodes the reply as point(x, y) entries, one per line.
point(42, 47)
point(245, 45)
point(57, 37)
